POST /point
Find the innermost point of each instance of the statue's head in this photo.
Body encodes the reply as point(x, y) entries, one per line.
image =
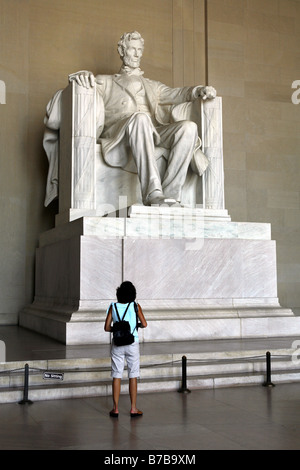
point(130, 48)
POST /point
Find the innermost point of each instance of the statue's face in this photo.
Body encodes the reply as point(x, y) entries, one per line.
point(133, 53)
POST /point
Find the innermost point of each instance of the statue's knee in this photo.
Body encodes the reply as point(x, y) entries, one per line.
point(142, 119)
point(190, 127)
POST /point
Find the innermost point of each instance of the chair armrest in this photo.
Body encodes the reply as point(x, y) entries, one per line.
point(208, 117)
point(78, 132)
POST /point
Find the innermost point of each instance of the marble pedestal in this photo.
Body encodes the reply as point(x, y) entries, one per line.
point(198, 276)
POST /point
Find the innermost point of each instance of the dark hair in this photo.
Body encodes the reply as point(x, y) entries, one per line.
point(126, 292)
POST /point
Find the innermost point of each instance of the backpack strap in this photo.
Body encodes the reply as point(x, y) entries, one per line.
point(118, 312)
point(125, 311)
point(136, 314)
point(115, 305)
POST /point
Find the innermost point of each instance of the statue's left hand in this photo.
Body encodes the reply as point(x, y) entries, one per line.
point(83, 78)
point(205, 92)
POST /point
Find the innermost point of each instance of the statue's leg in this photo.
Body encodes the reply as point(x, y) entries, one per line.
point(140, 135)
point(181, 138)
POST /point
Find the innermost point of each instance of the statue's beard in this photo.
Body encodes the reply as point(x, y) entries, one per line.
point(131, 63)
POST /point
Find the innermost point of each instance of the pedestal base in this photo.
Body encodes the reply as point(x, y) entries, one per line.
point(165, 325)
point(219, 283)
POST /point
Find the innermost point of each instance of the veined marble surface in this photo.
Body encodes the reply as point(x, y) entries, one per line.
point(221, 284)
point(87, 268)
point(213, 269)
point(198, 275)
point(78, 269)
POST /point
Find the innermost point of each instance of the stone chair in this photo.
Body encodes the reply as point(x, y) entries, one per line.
point(87, 186)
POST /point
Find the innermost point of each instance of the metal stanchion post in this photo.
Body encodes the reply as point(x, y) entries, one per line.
point(25, 392)
point(268, 382)
point(183, 388)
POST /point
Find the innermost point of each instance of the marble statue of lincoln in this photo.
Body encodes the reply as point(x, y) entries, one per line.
point(138, 117)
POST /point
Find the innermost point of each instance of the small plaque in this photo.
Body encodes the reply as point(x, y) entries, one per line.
point(54, 375)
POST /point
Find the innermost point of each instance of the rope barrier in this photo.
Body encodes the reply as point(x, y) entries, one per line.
point(239, 359)
point(183, 360)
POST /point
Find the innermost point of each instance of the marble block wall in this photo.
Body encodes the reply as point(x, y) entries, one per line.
point(210, 269)
point(81, 263)
point(79, 273)
point(190, 288)
point(85, 271)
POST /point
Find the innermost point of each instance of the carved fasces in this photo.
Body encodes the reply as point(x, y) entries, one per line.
point(84, 148)
point(78, 149)
point(212, 147)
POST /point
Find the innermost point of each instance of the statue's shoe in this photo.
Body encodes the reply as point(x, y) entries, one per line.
point(155, 198)
point(172, 203)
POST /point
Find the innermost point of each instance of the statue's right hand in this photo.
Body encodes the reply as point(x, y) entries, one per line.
point(83, 78)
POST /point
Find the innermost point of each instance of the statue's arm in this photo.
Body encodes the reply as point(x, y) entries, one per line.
point(174, 96)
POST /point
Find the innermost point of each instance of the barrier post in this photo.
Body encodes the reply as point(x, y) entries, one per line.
point(268, 382)
point(26, 382)
point(183, 388)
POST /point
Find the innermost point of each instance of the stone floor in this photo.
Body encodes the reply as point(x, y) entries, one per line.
point(240, 418)
point(253, 418)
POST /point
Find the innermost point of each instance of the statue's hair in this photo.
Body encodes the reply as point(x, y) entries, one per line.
point(128, 37)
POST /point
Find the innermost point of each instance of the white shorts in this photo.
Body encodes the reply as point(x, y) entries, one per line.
point(131, 353)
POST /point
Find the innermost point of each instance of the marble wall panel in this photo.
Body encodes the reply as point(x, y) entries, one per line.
point(77, 271)
point(219, 269)
point(270, 326)
point(179, 330)
point(259, 269)
point(58, 273)
point(101, 268)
